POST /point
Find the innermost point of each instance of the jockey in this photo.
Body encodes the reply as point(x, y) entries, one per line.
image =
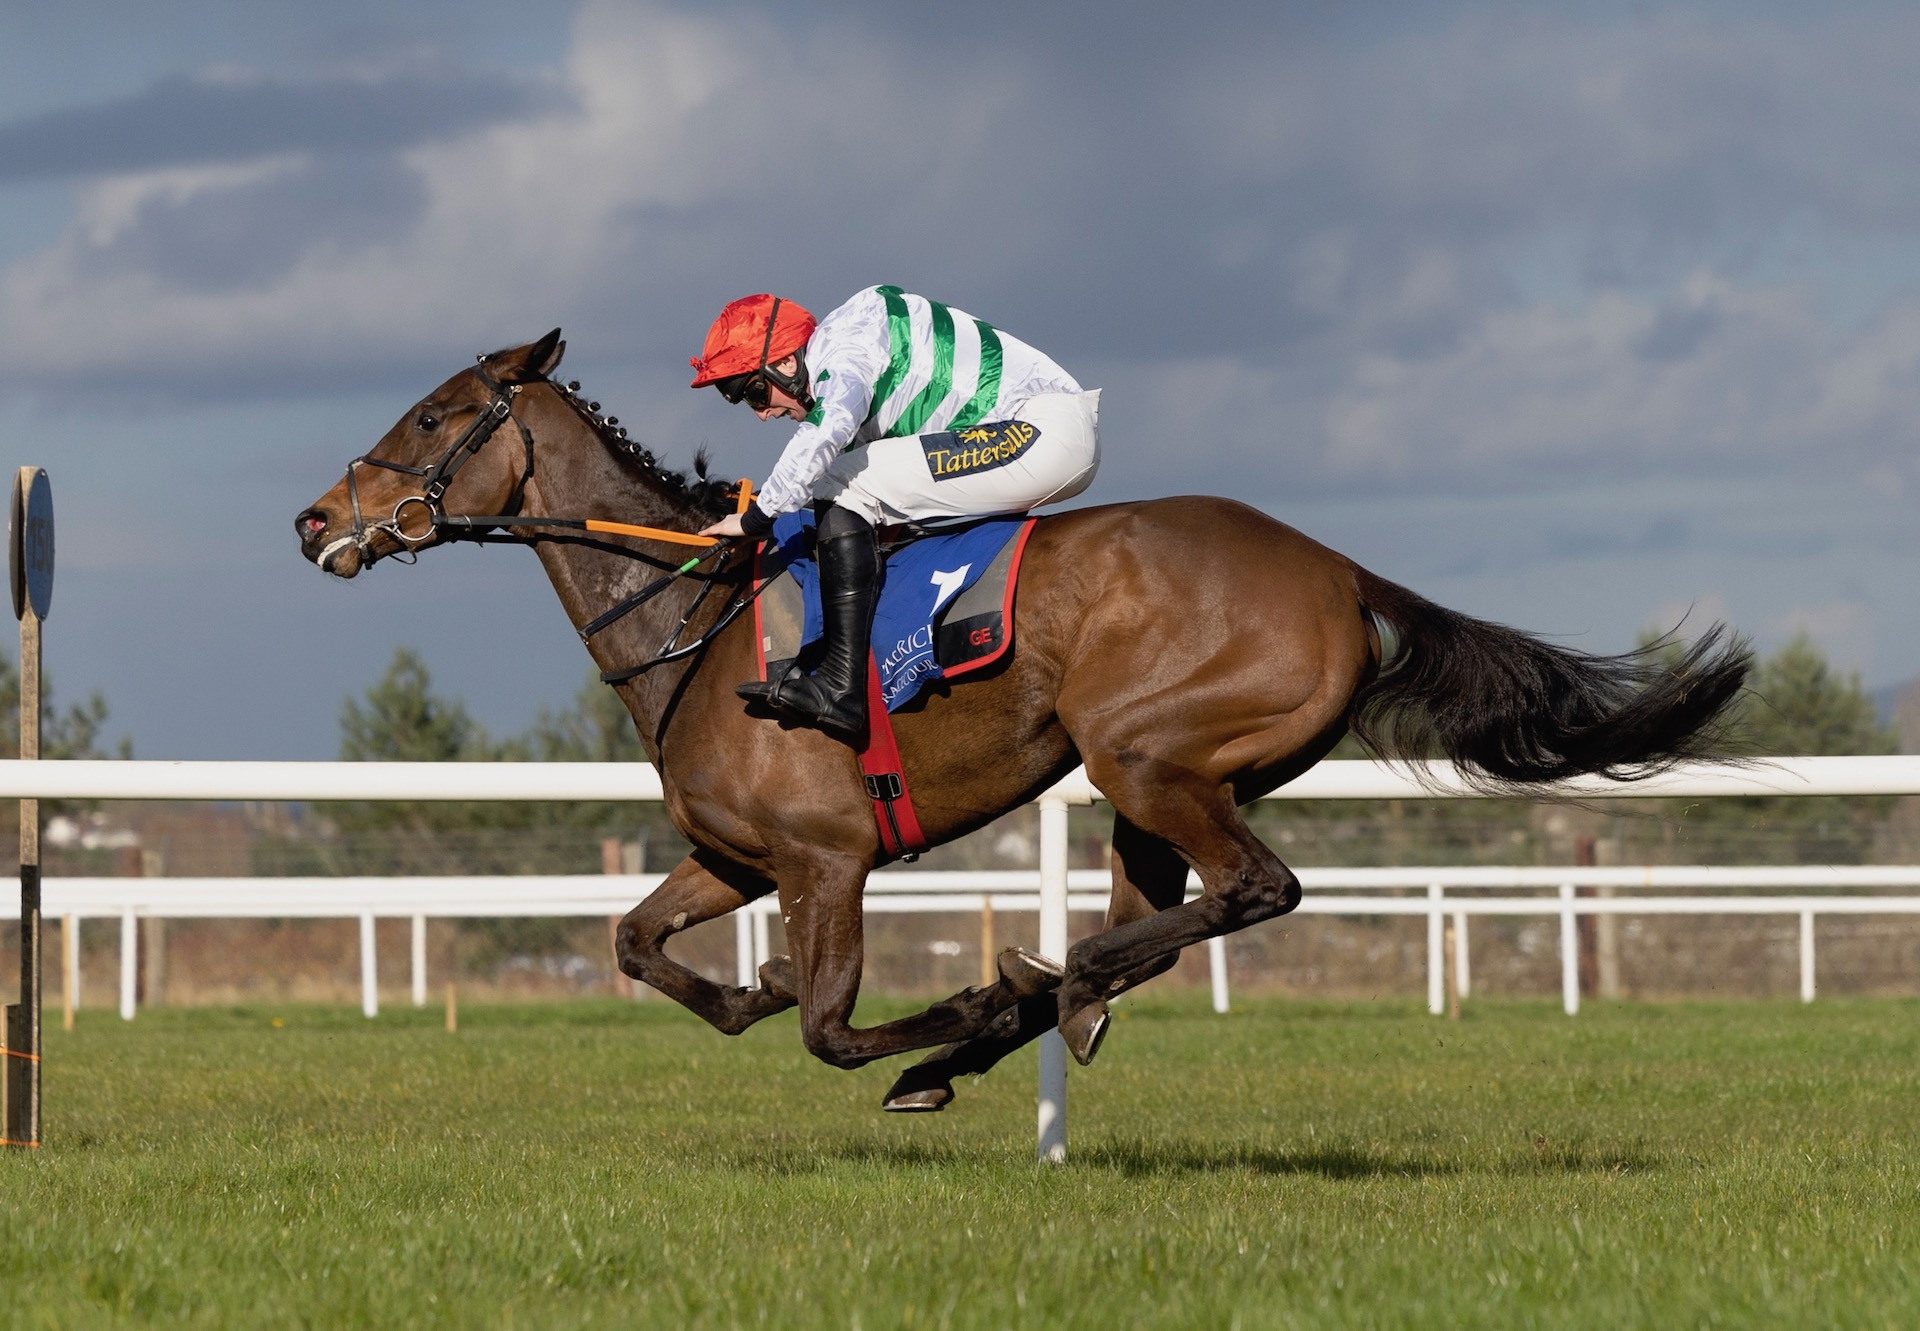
point(910, 410)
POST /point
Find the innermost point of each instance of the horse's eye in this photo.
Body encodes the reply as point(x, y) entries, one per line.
point(428, 421)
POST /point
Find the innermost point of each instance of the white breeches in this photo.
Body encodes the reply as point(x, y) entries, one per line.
point(1038, 452)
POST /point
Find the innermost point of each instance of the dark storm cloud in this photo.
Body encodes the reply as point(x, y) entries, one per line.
point(195, 120)
point(1261, 189)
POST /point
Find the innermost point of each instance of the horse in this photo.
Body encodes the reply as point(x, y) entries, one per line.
point(1193, 653)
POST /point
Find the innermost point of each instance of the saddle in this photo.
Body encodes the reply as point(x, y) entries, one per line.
point(945, 608)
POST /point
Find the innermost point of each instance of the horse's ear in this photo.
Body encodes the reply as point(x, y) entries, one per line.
point(543, 357)
point(523, 365)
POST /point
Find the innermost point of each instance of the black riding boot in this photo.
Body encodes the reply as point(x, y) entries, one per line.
point(834, 697)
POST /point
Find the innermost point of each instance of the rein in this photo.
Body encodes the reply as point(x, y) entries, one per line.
point(459, 527)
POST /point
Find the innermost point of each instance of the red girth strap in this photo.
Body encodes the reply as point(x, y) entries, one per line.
point(900, 834)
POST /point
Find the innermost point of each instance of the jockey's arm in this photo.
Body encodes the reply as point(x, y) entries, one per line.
point(842, 398)
point(850, 354)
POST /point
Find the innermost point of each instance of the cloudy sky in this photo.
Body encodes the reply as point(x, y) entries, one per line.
point(1569, 316)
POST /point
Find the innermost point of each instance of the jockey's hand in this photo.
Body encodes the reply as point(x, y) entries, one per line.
point(727, 526)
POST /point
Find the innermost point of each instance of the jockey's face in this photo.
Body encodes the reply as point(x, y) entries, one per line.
point(781, 406)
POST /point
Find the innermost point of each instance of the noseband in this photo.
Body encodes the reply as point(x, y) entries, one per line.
point(438, 477)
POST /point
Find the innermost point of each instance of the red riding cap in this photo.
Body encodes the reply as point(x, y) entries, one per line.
point(752, 332)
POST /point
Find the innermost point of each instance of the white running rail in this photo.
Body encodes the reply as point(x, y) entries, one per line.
point(899, 891)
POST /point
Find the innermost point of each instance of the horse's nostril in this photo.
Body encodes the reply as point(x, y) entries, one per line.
point(311, 523)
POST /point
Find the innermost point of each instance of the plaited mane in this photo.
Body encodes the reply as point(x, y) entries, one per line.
point(706, 497)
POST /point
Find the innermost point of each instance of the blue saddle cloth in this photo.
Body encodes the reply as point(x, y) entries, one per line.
point(939, 611)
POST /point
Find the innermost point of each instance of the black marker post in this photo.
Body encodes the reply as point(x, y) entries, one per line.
point(31, 561)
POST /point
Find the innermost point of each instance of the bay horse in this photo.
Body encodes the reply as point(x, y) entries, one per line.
point(1192, 652)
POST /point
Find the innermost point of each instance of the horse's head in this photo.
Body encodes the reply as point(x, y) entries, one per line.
point(463, 438)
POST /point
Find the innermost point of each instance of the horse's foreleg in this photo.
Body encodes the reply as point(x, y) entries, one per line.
point(695, 892)
point(1148, 876)
point(821, 904)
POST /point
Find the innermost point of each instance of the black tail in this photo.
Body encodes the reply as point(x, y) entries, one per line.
point(1513, 711)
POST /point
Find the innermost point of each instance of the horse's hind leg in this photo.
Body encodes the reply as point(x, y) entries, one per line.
point(1242, 883)
point(693, 893)
point(820, 897)
point(1148, 876)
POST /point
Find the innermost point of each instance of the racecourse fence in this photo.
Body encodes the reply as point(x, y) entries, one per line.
point(993, 894)
point(1050, 890)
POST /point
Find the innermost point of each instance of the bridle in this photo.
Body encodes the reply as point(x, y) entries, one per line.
point(441, 524)
point(438, 477)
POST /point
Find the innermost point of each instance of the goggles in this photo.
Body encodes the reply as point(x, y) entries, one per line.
point(751, 388)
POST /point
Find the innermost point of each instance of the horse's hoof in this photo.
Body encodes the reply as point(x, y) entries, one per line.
point(930, 1100)
point(1084, 1031)
point(1028, 974)
point(777, 977)
point(924, 1088)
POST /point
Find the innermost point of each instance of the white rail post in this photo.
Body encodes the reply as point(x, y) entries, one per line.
point(70, 965)
point(762, 948)
point(1460, 983)
point(1806, 956)
point(1053, 943)
point(129, 963)
point(1436, 950)
point(1217, 964)
point(1569, 953)
point(369, 968)
point(743, 946)
point(419, 960)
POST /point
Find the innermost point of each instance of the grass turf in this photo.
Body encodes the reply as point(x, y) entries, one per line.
point(1292, 1164)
